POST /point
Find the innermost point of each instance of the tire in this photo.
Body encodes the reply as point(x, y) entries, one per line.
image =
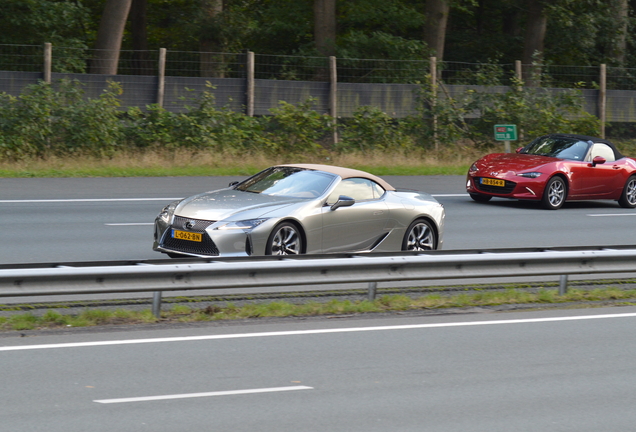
point(420, 236)
point(554, 194)
point(628, 196)
point(480, 198)
point(285, 239)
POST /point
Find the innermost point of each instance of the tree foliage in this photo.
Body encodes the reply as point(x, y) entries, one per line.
point(579, 32)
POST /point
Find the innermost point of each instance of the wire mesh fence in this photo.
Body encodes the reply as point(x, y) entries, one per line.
point(30, 58)
point(391, 85)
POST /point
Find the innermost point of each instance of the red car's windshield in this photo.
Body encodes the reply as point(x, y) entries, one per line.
point(559, 147)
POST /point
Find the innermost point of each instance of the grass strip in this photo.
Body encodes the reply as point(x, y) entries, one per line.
point(180, 313)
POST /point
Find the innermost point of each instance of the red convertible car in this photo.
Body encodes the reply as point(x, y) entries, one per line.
point(556, 168)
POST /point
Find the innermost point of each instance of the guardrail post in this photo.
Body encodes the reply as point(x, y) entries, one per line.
point(373, 286)
point(563, 285)
point(156, 304)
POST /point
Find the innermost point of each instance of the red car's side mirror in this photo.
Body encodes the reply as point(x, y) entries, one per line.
point(598, 160)
point(519, 150)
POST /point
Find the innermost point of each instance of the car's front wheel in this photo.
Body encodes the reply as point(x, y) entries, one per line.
point(480, 198)
point(628, 197)
point(420, 236)
point(285, 239)
point(554, 194)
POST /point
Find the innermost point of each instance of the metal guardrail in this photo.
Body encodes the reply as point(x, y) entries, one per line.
point(195, 274)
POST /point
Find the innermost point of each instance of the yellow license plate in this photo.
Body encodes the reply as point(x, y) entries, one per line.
point(493, 182)
point(185, 235)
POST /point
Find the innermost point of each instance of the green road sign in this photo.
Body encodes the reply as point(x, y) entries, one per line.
point(506, 132)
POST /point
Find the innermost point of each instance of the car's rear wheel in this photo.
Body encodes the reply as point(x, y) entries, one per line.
point(554, 194)
point(628, 197)
point(420, 236)
point(285, 239)
point(480, 198)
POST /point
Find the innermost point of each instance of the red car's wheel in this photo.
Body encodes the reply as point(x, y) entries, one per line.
point(628, 197)
point(480, 198)
point(554, 194)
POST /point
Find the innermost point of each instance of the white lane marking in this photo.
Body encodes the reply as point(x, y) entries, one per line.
point(197, 395)
point(309, 332)
point(611, 214)
point(129, 224)
point(450, 195)
point(88, 200)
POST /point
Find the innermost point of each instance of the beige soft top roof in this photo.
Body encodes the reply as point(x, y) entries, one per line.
point(344, 173)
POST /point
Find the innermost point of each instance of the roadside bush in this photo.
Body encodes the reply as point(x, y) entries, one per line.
point(59, 120)
point(535, 111)
point(202, 126)
point(473, 114)
point(47, 120)
point(296, 129)
point(371, 129)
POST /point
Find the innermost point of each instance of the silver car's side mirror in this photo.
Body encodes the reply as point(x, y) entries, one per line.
point(343, 201)
point(234, 183)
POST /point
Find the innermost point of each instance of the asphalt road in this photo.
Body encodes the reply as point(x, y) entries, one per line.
point(523, 372)
point(534, 371)
point(66, 220)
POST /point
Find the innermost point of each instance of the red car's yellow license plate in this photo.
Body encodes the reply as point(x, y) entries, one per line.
point(493, 182)
point(185, 235)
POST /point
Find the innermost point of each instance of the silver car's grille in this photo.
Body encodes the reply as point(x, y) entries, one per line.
point(205, 247)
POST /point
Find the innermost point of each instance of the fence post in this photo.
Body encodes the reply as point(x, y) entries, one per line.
point(48, 59)
point(434, 98)
point(602, 94)
point(333, 96)
point(161, 76)
point(249, 94)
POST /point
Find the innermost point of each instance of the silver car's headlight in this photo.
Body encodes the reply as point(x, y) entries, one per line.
point(167, 212)
point(529, 174)
point(246, 225)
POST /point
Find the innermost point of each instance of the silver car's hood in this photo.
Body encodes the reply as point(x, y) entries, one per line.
point(225, 203)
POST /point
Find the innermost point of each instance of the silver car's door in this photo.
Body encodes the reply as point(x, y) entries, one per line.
point(357, 227)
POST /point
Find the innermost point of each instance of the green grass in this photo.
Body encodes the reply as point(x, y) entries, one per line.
point(188, 163)
point(52, 319)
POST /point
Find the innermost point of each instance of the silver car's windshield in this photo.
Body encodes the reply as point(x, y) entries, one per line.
point(288, 182)
point(559, 147)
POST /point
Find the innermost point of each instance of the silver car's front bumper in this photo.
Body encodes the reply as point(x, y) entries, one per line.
point(214, 242)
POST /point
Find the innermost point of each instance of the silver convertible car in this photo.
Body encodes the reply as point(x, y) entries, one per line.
point(298, 209)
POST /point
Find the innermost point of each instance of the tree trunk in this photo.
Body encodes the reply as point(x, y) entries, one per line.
point(621, 16)
point(325, 27)
point(536, 26)
point(138, 25)
point(109, 37)
point(436, 19)
point(211, 43)
point(324, 34)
